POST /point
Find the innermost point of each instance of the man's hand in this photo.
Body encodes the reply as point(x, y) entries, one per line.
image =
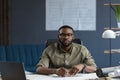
point(76, 69)
point(62, 72)
point(73, 71)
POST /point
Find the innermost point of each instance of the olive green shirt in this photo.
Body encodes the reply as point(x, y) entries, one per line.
point(54, 56)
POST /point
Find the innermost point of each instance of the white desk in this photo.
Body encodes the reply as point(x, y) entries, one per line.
point(55, 77)
point(89, 76)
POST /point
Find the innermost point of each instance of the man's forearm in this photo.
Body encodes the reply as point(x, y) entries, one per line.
point(46, 71)
point(85, 68)
point(90, 69)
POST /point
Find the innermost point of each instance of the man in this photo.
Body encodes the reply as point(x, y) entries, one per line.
point(65, 58)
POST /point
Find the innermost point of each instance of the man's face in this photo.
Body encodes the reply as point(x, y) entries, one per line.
point(66, 36)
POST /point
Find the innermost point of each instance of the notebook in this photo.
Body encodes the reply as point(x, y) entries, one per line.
point(12, 71)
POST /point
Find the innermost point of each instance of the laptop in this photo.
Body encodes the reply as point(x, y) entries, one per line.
point(12, 71)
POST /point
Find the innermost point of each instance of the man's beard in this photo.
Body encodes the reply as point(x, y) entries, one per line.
point(65, 45)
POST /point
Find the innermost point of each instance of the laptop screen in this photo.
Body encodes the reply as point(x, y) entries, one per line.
point(12, 71)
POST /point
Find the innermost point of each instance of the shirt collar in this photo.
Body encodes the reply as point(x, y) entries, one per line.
point(63, 51)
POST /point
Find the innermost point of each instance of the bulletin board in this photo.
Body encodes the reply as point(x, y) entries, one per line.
point(80, 14)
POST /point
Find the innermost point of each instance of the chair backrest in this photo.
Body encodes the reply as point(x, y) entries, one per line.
point(51, 41)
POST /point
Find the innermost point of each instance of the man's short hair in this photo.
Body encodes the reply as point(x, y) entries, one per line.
point(65, 26)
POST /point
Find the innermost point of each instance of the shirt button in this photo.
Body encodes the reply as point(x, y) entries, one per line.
point(66, 62)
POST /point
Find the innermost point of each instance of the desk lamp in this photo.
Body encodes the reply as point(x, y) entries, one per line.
point(110, 34)
point(107, 34)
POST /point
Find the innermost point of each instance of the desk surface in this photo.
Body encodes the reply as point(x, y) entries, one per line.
point(88, 76)
point(91, 76)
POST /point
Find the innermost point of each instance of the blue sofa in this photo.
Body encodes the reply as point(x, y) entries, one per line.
point(2, 53)
point(28, 54)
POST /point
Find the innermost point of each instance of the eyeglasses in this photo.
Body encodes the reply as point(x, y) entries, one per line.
point(63, 34)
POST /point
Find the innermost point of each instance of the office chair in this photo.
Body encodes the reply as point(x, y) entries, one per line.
point(51, 41)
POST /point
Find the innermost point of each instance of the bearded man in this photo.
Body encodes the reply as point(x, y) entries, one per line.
point(65, 58)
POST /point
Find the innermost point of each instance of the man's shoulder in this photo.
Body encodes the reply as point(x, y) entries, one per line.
point(53, 45)
point(78, 45)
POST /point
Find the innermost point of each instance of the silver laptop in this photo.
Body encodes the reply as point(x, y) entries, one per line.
point(12, 71)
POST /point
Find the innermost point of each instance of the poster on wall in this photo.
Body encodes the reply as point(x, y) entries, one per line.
point(80, 14)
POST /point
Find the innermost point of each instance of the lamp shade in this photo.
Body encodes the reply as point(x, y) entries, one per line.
point(109, 34)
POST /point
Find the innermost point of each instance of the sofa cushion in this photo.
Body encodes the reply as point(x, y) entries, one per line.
point(28, 54)
point(2, 53)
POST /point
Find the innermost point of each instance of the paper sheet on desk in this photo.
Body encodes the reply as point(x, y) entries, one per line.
point(55, 77)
